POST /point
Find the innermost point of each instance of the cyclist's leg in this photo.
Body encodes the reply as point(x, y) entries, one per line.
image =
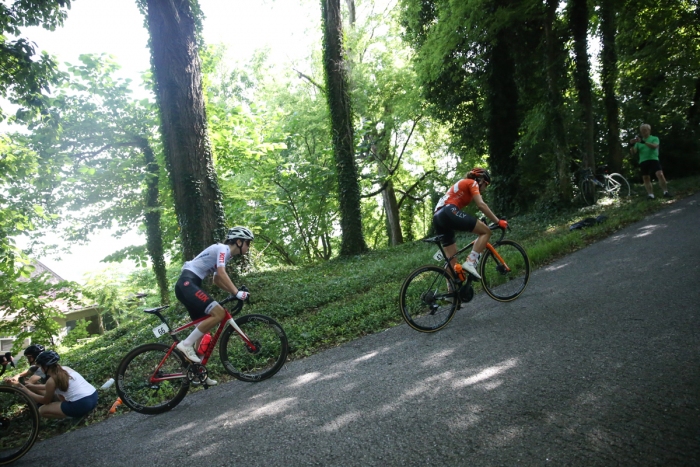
point(484, 233)
point(443, 226)
point(216, 314)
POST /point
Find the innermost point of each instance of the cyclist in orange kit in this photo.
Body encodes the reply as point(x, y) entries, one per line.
point(448, 217)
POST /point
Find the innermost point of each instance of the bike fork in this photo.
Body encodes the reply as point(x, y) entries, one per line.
point(240, 332)
point(498, 257)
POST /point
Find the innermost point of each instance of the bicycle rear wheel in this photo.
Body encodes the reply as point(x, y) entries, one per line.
point(427, 299)
point(19, 424)
point(588, 191)
point(505, 281)
point(149, 381)
point(617, 186)
point(253, 365)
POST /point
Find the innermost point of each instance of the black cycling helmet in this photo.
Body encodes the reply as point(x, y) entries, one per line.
point(33, 350)
point(47, 358)
point(479, 173)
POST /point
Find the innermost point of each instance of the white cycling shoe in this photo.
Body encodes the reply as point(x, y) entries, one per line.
point(189, 352)
point(471, 268)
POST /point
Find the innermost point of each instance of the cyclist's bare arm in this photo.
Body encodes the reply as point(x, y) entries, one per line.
point(224, 282)
point(483, 207)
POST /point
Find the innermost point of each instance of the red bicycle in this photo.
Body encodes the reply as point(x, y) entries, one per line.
point(154, 378)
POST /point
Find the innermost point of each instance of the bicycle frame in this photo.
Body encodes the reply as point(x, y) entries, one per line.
point(228, 318)
point(489, 246)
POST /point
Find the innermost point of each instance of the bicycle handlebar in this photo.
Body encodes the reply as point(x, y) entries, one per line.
point(231, 298)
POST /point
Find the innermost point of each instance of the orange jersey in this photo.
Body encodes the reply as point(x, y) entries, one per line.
point(461, 194)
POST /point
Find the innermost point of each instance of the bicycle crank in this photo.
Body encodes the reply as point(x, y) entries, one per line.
point(197, 374)
point(466, 293)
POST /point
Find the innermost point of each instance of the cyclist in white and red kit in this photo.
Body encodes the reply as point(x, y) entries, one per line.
point(198, 302)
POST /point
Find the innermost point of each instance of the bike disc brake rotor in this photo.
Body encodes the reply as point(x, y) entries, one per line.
point(254, 351)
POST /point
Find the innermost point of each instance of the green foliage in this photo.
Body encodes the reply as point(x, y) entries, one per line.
point(29, 307)
point(78, 332)
point(23, 74)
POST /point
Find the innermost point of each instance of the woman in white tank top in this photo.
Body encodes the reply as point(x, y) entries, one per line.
point(76, 396)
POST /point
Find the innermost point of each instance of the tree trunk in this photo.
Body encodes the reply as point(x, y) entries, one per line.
point(178, 82)
point(582, 79)
point(555, 57)
point(608, 26)
point(393, 221)
point(342, 133)
point(351, 12)
point(503, 123)
point(154, 235)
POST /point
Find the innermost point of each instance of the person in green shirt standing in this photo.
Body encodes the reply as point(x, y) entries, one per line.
point(647, 147)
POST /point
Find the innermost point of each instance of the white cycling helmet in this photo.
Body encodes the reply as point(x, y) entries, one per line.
point(239, 232)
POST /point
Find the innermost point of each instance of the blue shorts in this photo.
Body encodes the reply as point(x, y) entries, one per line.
point(80, 407)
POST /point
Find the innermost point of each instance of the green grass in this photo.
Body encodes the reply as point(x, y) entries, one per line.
point(325, 305)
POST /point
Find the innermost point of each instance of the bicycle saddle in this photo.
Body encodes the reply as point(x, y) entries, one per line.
point(435, 239)
point(156, 310)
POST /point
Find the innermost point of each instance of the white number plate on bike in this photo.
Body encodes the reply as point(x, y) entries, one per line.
point(438, 256)
point(161, 330)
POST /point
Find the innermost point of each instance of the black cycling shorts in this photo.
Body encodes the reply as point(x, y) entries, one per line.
point(188, 290)
point(448, 219)
point(650, 167)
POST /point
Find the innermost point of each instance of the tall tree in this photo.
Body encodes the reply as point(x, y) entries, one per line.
point(609, 77)
point(579, 20)
point(101, 165)
point(554, 74)
point(176, 66)
point(342, 131)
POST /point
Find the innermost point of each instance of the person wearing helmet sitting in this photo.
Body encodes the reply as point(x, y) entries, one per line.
point(33, 378)
point(76, 396)
point(197, 302)
point(448, 217)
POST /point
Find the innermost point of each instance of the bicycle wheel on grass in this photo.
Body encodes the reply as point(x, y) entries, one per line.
point(617, 186)
point(150, 383)
point(427, 299)
point(265, 360)
point(19, 424)
point(505, 282)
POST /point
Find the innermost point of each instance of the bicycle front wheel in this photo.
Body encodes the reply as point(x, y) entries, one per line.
point(505, 278)
point(617, 186)
point(19, 424)
point(151, 381)
point(258, 363)
point(427, 299)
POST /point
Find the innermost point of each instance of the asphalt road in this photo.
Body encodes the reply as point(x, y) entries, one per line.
point(597, 363)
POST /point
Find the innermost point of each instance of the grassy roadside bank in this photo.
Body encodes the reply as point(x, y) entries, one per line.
point(325, 305)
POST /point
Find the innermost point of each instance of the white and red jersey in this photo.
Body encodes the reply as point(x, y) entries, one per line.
point(209, 260)
point(460, 194)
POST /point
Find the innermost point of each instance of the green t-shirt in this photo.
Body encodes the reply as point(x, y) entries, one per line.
point(645, 152)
